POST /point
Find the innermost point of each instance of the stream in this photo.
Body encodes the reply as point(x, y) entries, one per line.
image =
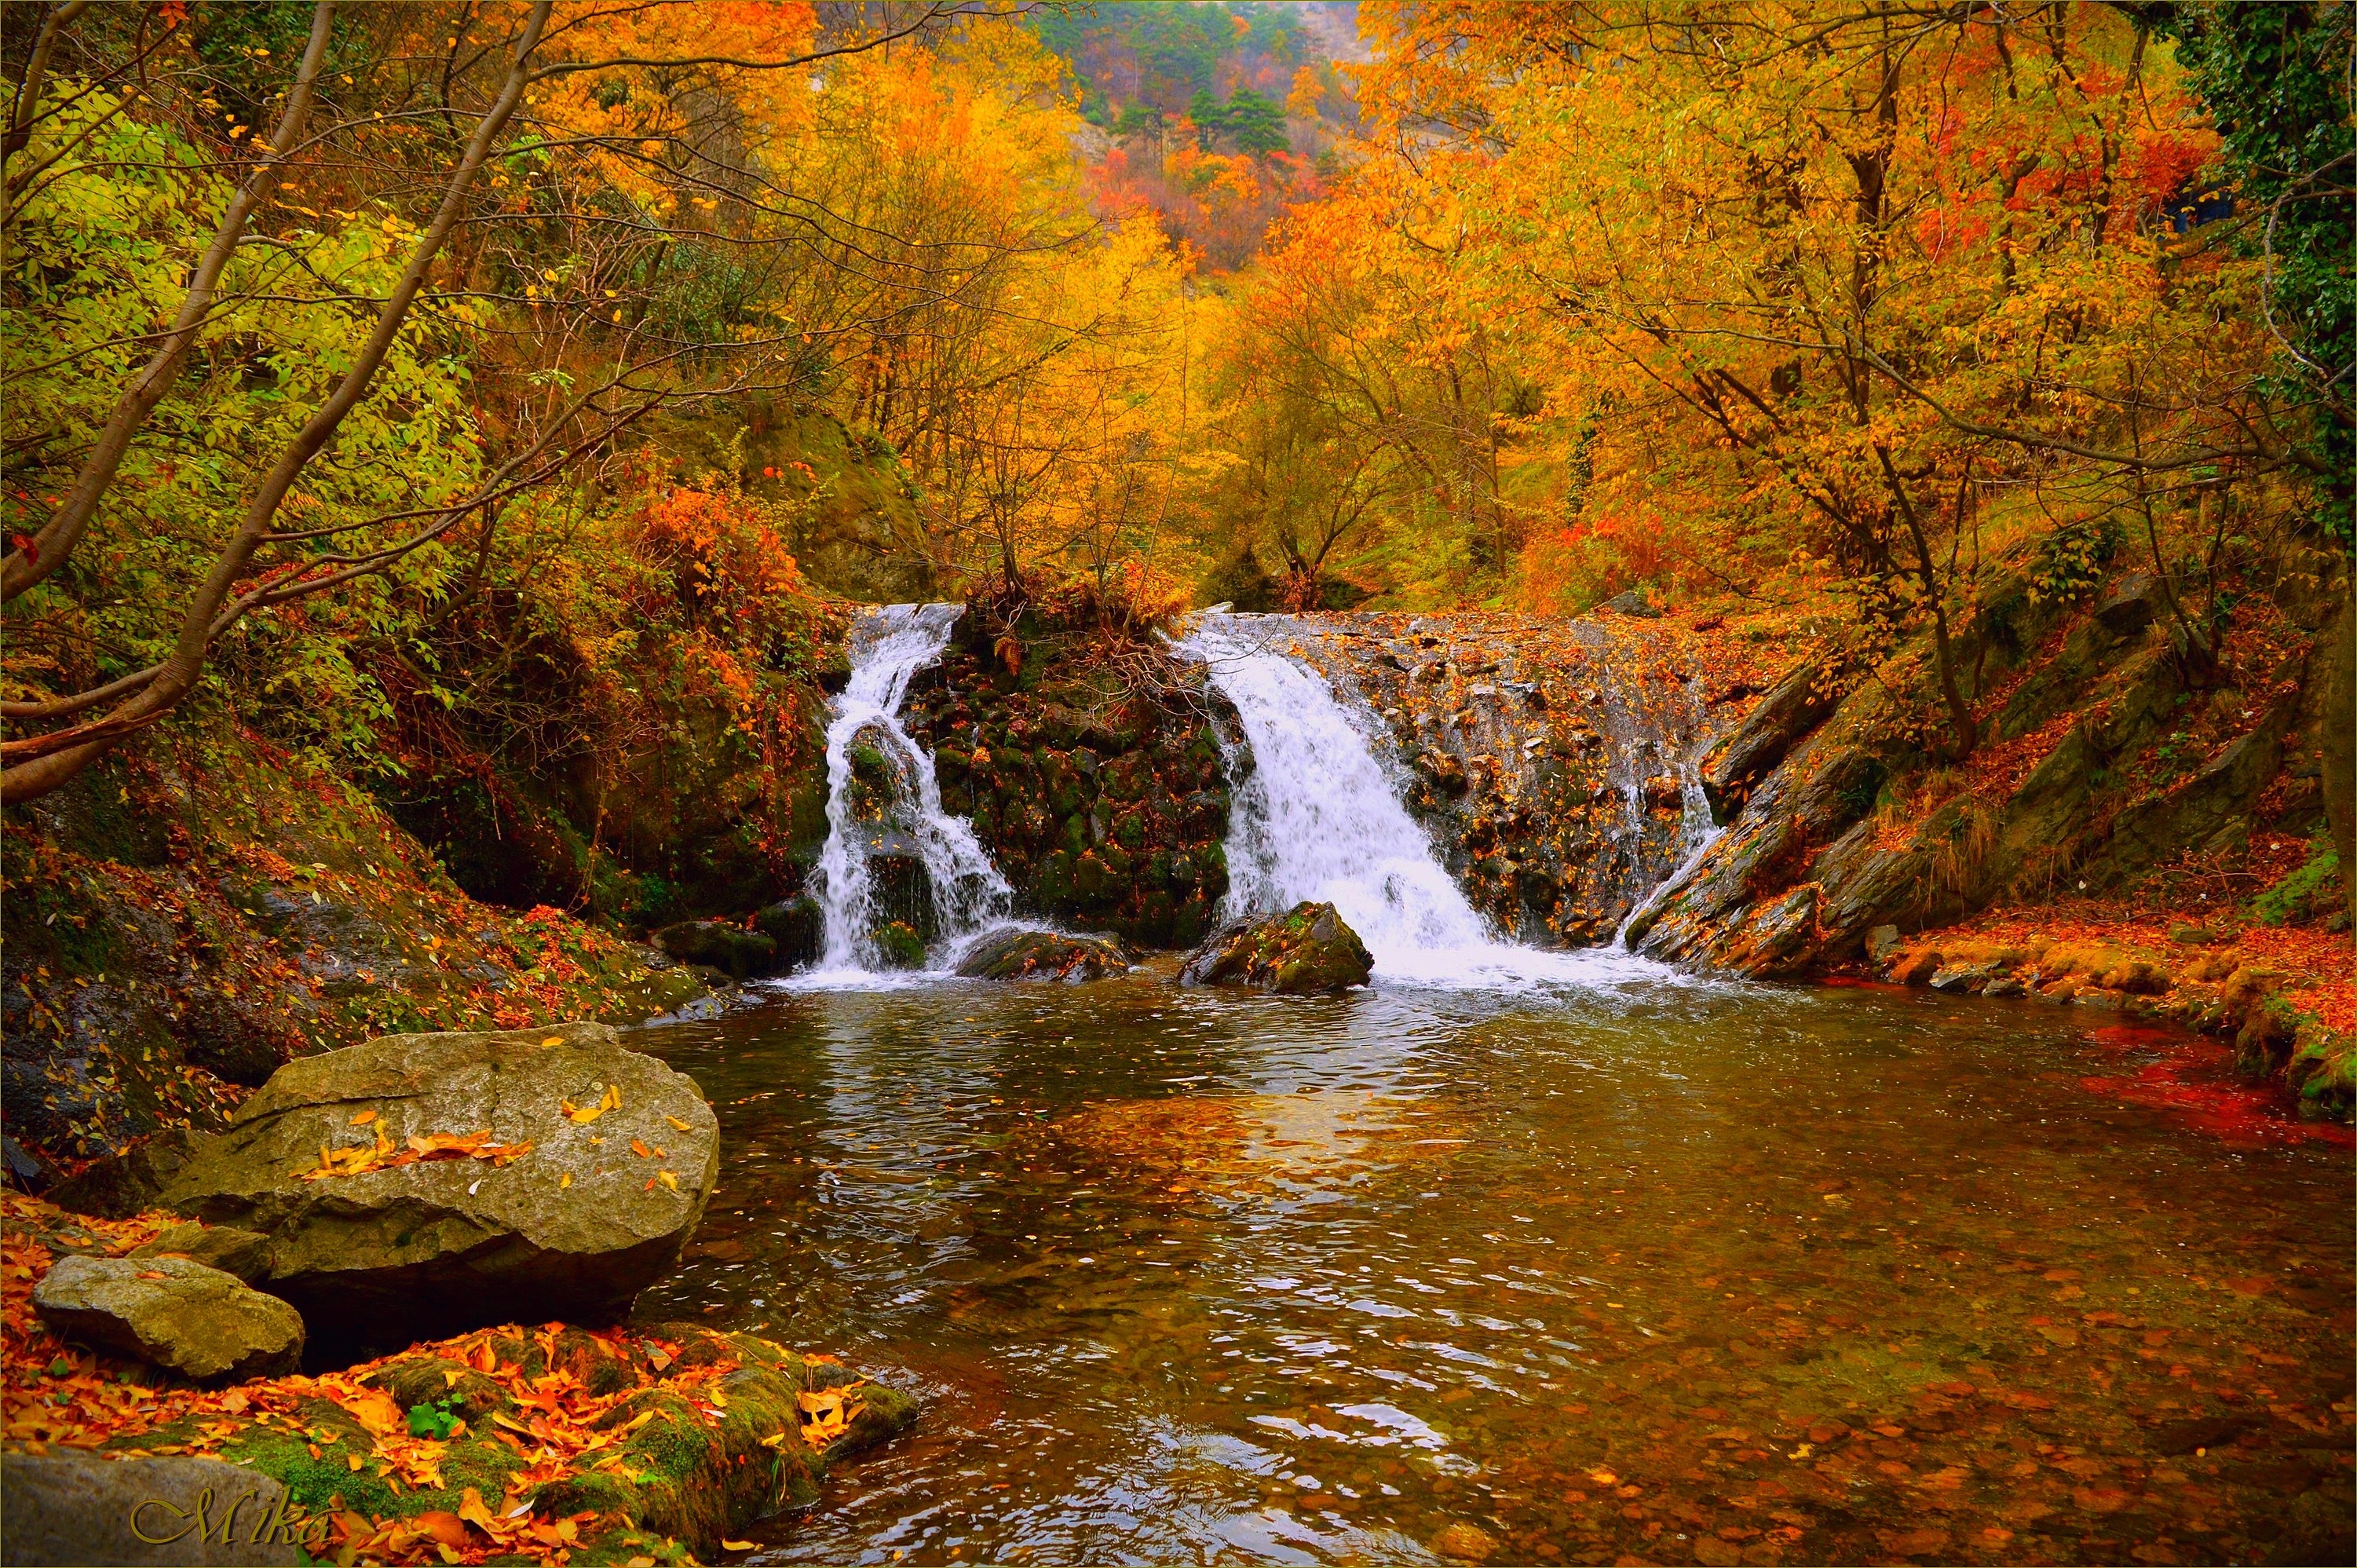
point(1189, 1276)
point(1550, 1256)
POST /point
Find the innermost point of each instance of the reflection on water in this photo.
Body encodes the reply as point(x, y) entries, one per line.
point(1655, 1272)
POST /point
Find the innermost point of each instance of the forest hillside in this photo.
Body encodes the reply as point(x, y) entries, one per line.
point(446, 446)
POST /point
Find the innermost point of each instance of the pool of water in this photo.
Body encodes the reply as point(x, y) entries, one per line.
point(1640, 1269)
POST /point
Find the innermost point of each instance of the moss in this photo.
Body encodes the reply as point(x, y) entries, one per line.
point(2313, 888)
point(902, 946)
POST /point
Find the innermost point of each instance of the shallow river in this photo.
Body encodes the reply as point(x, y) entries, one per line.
point(1641, 1271)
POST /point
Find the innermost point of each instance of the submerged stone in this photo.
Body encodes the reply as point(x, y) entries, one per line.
point(1308, 948)
point(1044, 955)
point(605, 1159)
point(173, 1313)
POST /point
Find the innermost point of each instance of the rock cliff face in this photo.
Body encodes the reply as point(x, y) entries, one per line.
point(2106, 763)
point(1552, 762)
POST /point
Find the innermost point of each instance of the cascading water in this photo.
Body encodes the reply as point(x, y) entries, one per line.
point(888, 647)
point(1316, 819)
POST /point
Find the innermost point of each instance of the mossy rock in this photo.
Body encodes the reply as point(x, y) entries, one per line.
point(1016, 954)
point(1306, 951)
point(901, 945)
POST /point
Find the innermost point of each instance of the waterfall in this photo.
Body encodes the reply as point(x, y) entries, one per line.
point(888, 647)
point(1318, 818)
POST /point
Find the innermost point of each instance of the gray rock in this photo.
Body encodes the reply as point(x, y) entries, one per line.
point(120, 1186)
point(77, 1508)
point(1632, 603)
point(1883, 942)
point(223, 1247)
point(1016, 954)
point(173, 1313)
point(2130, 604)
point(573, 1229)
point(1793, 707)
point(1965, 977)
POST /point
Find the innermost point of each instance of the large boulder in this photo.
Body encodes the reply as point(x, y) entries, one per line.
point(72, 1507)
point(1305, 949)
point(173, 1313)
point(477, 1178)
point(1018, 954)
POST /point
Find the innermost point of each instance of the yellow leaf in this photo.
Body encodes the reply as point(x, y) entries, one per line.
point(668, 1180)
point(564, 1181)
point(613, 1101)
point(352, 1460)
point(375, 1410)
point(676, 1123)
point(363, 1118)
point(735, 1546)
point(551, 1041)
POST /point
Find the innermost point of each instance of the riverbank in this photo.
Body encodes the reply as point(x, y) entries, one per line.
point(543, 1443)
point(2286, 998)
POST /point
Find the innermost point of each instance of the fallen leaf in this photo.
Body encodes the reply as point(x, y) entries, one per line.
point(668, 1179)
point(564, 1181)
point(735, 1546)
point(676, 1123)
point(362, 1120)
point(551, 1041)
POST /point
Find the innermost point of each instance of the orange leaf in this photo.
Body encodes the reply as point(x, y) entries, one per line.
point(363, 1118)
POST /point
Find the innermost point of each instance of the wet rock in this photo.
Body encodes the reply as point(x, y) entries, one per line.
point(243, 1254)
point(716, 944)
point(1882, 943)
point(120, 1185)
point(1016, 954)
point(1964, 977)
point(572, 1229)
point(78, 1508)
point(1306, 950)
point(797, 925)
point(173, 1313)
point(1916, 968)
point(1466, 1543)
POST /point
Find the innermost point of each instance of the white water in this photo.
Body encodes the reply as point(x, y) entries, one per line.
point(1318, 819)
point(888, 647)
